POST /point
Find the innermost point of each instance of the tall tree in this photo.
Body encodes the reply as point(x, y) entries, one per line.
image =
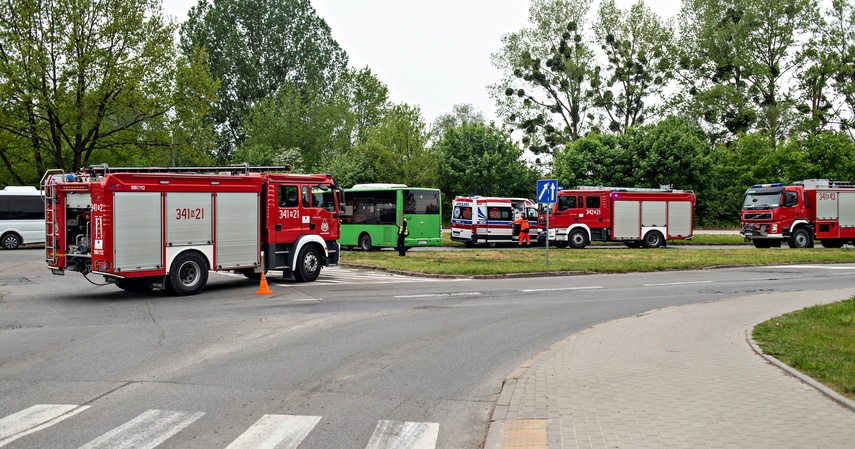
point(737, 57)
point(257, 48)
point(827, 78)
point(480, 159)
point(84, 80)
point(638, 49)
point(546, 68)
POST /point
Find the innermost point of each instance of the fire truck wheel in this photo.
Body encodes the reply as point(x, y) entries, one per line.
point(188, 275)
point(308, 264)
point(653, 239)
point(632, 243)
point(578, 239)
point(11, 241)
point(365, 242)
point(800, 239)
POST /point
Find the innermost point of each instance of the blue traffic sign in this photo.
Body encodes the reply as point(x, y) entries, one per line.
point(546, 190)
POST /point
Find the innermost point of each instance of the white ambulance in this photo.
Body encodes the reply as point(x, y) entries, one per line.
point(488, 220)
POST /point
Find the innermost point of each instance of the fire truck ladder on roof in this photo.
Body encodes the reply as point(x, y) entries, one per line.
point(241, 169)
point(664, 188)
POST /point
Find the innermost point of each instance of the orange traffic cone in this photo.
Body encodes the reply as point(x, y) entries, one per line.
point(263, 289)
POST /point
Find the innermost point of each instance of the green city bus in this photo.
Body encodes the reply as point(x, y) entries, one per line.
point(373, 211)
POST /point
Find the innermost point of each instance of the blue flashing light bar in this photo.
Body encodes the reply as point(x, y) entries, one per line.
point(776, 184)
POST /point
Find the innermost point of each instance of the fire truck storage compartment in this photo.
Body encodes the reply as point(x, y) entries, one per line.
point(138, 220)
point(78, 200)
point(679, 218)
point(653, 213)
point(627, 220)
point(238, 231)
point(846, 201)
point(190, 220)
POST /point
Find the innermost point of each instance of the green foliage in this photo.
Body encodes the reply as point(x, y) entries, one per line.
point(88, 82)
point(480, 159)
point(395, 151)
point(259, 49)
point(828, 155)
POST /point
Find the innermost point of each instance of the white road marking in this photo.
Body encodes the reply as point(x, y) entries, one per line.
point(531, 290)
point(438, 295)
point(677, 283)
point(404, 435)
point(276, 432)
point(817, 267)
point(146, 431)
point(35, 418)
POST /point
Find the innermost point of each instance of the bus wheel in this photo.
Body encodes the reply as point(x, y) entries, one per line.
point(11, 241)
point(308, 264)
point(365, 242)
point(653, 239)
point(577, 239)
point(800, 239)
point(188, 275)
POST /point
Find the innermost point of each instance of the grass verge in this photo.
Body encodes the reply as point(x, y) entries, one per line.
point(698, 239)
point(818, 341)
point(590, 260)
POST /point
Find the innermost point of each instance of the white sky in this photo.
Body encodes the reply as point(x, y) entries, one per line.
point(433, 54)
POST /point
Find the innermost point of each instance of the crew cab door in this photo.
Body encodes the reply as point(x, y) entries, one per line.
point(287, 214)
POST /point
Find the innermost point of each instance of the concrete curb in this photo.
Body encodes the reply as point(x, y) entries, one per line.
point(831, 394)
point(537, 274)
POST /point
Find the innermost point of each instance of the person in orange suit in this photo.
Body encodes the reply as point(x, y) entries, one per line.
point(524, 231)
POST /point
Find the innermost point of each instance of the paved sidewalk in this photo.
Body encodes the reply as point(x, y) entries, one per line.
point(681, 377)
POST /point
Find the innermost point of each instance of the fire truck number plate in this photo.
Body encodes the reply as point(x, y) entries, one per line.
point(285, 213)
point(186, 213)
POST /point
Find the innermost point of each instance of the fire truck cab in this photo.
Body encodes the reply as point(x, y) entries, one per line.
point(799, 214)
point(156, 227)
point(487, 220)
point(636, 217)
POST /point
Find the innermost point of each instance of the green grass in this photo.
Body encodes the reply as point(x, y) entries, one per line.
point(589, 260)
point(698, 239)
point(818, 341)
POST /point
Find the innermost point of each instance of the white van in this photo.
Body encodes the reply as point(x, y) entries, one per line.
point(22, 216)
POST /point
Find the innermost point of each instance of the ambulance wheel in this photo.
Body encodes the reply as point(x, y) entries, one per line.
point(653, 239)
point(188, 275)
point(365, 242)
point(308, 264)
point(800, 239)
point(577, 239)
point(11, 241)
point(134, 285)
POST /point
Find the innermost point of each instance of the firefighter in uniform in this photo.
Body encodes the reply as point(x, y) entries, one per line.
point(524, 230)
point(403, 232)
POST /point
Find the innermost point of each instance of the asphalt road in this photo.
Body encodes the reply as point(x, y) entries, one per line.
point(344, 356)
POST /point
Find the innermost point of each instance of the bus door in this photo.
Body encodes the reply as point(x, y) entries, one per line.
point(421, 207)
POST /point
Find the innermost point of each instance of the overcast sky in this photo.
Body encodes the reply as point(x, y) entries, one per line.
point(430, 53)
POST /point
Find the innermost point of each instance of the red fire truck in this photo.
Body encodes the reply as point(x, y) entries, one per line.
point(799, 214)
point(487, 220)
point(636, 217)
point(155, 227)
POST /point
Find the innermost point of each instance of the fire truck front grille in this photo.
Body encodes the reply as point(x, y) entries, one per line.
point(760, 216)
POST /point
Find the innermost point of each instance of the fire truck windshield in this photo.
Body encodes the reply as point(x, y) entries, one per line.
point(762, 200)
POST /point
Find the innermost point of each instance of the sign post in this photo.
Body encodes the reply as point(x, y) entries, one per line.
point(546, 193)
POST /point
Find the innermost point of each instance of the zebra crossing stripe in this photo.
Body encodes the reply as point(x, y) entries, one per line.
point(35, 418)
point(404, 435)
point(146, 431)
point(276, 432)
